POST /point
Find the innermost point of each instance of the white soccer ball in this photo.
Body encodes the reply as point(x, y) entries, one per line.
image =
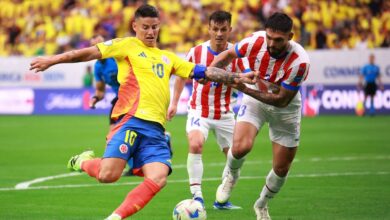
point(189, 209)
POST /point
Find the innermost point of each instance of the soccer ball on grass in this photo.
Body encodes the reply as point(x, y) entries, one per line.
point(189, 209)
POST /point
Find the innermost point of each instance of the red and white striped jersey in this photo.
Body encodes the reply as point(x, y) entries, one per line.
point(288, 71)
point(212, 99)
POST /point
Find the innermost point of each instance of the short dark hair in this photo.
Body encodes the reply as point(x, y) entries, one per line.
point(279, 22)
point(146, 11)
point(220, 17)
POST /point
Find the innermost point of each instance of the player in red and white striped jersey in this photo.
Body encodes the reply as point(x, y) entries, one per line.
point(210, 106)
point(283, 65)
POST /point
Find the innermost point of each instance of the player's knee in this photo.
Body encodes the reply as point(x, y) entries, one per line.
point(161, 181)
point(196, 147)
point(238, 154)
point(108, 176)
point(241, 148)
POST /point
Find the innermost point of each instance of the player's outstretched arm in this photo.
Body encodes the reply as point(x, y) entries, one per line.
point(222, 76)
point(74, 56)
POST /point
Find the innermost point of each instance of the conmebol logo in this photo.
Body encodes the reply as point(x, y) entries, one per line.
point(343, 71)
point(63, 101)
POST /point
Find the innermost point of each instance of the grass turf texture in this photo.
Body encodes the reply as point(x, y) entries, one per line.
point(342, 171)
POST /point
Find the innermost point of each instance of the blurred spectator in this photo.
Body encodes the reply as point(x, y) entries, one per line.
point(30, 28)
point(386, 40)
point(270, 7)
point(320, 37)
point(88, 78)
point(13, 33)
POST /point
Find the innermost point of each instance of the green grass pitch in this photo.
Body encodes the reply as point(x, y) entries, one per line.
point(342, 171)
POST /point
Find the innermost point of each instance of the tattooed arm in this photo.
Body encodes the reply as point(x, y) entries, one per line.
point(224, 58)
point(279, 97)
point(201, 72)
point(74, 56)
point(219, 75)
point(216, 73)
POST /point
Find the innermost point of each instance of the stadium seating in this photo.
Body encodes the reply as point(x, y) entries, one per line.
point(32, 28)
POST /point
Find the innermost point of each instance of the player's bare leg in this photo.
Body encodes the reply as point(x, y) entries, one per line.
point(244, 135)
point(195, 164)
point(282, 160)
point(111, 169)
point(105, 170)
point(155, 179)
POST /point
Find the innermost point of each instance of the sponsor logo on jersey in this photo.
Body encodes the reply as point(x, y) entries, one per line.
point(142, 54)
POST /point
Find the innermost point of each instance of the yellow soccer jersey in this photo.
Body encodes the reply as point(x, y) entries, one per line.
point(143, 75)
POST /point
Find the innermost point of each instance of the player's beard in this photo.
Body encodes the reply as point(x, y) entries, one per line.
point(277, 53)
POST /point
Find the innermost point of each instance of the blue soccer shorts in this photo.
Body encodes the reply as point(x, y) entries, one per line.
point(138, 140)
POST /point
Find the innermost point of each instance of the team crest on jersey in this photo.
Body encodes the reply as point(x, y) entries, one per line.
point(165, 59)
point(123, 148)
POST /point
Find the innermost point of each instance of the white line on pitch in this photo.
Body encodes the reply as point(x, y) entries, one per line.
point(26, 184)
point(314, 175)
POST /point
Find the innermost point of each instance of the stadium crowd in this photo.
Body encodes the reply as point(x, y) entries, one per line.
point(29, 27)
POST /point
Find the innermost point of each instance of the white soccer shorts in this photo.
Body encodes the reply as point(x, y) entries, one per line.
point(284, 123)
point(222, 128)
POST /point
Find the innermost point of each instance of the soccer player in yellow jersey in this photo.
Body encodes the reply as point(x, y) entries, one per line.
point(140, 112)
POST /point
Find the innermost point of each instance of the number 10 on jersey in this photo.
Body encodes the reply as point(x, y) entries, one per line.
point(158, 69)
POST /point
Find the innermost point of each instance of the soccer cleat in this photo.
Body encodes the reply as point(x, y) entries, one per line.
point(261, 213)
point(74, 164)
point(199, 199)
point(114, 217)
point(129, 172)
point(225, 206)
point(224, 190)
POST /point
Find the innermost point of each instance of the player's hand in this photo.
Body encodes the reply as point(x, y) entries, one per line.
point(40, 64)
point(93, 101)
point(250, 77)
point(171, 112)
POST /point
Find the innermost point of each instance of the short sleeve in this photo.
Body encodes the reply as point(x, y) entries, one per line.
point(362, 70)
point(98, 71)
point(251, 43)
point(181, 67)
point(113, 48)
point(297, 74)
